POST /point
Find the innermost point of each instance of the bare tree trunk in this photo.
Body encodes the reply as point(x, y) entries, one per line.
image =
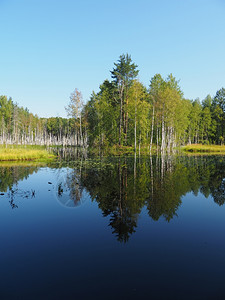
point(126, 122)
point(153, 115)
point(121, 113)
point(163, 135)
point(135, 128)
point(139, 144)
point(157, 137)
point(81, 135)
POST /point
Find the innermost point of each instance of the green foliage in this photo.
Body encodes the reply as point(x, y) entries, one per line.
point(124, 71)
point(123, 74)
point(122, 113)
point(125, 113)
point(219, 99)
point(218, 116)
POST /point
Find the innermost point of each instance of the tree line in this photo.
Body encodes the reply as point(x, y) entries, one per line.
point(123, 113)
point(19, 126)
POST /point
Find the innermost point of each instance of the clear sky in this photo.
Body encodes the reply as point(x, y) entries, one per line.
point(50, 47)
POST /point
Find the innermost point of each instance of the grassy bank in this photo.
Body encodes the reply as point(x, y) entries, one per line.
point(23, 153)
point(198, 148)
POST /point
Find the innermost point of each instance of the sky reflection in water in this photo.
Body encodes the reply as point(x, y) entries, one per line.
point(114, 228)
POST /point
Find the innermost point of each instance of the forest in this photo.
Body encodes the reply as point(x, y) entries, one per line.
point(123, 113)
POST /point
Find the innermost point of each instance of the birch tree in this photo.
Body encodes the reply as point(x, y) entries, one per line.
point(74, 109)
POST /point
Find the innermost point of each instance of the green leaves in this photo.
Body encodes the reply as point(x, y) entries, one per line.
point(125, 71)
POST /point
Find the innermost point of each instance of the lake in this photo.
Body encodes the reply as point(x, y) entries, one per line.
point(124, 228)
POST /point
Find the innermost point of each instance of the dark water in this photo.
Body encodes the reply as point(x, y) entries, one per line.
point(113, 229)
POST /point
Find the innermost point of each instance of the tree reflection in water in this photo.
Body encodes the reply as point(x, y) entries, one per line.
point(125, 186)
point(10, 175)
point(122, 187)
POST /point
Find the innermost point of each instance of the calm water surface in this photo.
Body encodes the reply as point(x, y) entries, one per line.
point(151, 228)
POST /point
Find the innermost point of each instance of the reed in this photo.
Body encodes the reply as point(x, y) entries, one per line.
point(204, 148)
point(21, 153)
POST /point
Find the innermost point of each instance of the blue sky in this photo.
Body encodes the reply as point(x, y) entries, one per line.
point(49, 48)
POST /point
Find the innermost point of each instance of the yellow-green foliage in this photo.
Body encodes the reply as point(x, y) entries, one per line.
point(204, 148)
point(19, 153)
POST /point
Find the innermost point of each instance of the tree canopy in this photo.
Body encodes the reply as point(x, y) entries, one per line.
point(122, 113)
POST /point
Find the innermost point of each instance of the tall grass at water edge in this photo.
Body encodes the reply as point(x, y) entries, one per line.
point(21, 152)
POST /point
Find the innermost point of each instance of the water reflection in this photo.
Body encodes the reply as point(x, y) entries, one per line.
point(123, 187)
point(68, 187)
point(10, 175)
point(68, 153)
